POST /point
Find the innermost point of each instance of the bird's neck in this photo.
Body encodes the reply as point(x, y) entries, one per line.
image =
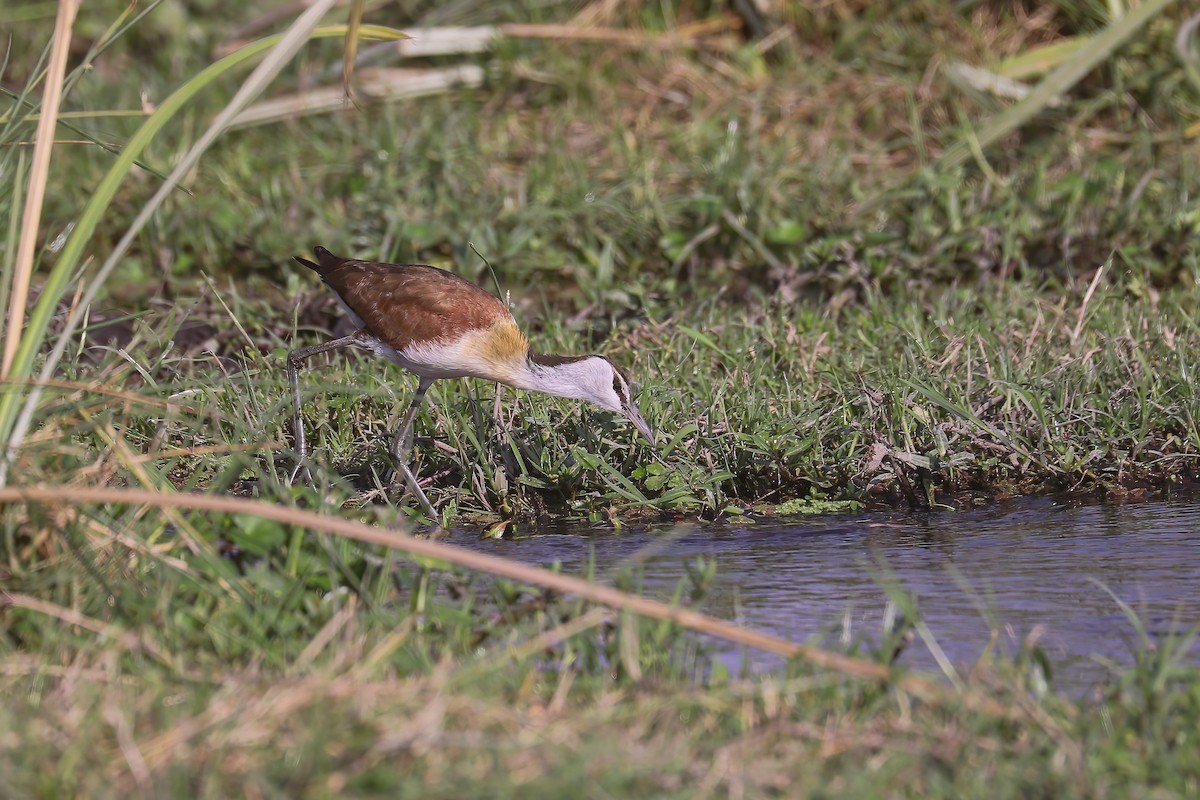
point(556, 375)
point(501, 353)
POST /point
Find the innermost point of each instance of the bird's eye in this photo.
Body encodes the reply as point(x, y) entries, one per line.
point(619, 390)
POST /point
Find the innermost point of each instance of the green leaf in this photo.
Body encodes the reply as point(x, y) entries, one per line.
point(787, 232)
point(257, 535)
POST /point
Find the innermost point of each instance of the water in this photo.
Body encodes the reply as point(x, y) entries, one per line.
point(1016, 567)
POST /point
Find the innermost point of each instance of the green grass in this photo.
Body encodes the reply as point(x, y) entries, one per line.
point(536, 174)
point(957, 397)
point(842, 278)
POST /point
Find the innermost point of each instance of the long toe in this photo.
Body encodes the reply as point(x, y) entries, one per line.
point(409, 480)
point(302, 471)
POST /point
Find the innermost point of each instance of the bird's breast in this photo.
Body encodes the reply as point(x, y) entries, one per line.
point(495, 353)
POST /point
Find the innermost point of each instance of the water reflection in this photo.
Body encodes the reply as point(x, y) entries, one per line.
point(1010, 567)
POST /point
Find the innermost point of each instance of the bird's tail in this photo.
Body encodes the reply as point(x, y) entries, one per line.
point(326, 261)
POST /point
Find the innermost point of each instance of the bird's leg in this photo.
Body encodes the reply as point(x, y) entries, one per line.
point(403, 442)
point(402, 446)
point(294, 360)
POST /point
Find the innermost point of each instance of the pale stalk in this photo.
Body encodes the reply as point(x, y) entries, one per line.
point(38, 175)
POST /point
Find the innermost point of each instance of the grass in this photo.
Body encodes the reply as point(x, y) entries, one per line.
point(148, 670)
point(843, 276)
point(926, 404)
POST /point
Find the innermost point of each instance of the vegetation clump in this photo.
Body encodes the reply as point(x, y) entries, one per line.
point(908, 253)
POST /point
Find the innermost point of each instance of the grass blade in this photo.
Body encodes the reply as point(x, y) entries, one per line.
point(350, 53)
point(1068, 73)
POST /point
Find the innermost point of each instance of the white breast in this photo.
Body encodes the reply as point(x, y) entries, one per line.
point(458, 358)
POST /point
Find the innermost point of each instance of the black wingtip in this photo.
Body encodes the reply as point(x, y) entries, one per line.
point(307, 263)
point(325, 262)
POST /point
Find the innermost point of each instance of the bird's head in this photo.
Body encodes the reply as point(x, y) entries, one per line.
point(594, 379)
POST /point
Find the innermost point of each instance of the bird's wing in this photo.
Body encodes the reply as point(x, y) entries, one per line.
point(400, 304)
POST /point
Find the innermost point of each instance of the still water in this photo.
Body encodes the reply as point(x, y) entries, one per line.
point(1018, 567)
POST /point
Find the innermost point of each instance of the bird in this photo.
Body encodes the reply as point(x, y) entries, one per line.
point(439, 325)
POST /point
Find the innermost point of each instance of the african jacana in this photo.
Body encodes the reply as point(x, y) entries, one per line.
point(438, 325)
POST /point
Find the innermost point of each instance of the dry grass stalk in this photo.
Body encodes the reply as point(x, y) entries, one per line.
point(598, 13)
point(513, 570)
point(350, 51)
point(38, 175)
point(994, 83)
point(373, 85)
point(442, 41)
point(683, 36)
point(446, 41)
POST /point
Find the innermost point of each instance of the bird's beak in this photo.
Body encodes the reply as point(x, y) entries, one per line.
point(633, 415)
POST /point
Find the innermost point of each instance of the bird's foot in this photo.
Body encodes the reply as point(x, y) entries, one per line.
point(301, 471)
point(403, 478)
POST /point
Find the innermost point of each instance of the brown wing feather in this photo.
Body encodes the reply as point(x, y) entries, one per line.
point(400, 304)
